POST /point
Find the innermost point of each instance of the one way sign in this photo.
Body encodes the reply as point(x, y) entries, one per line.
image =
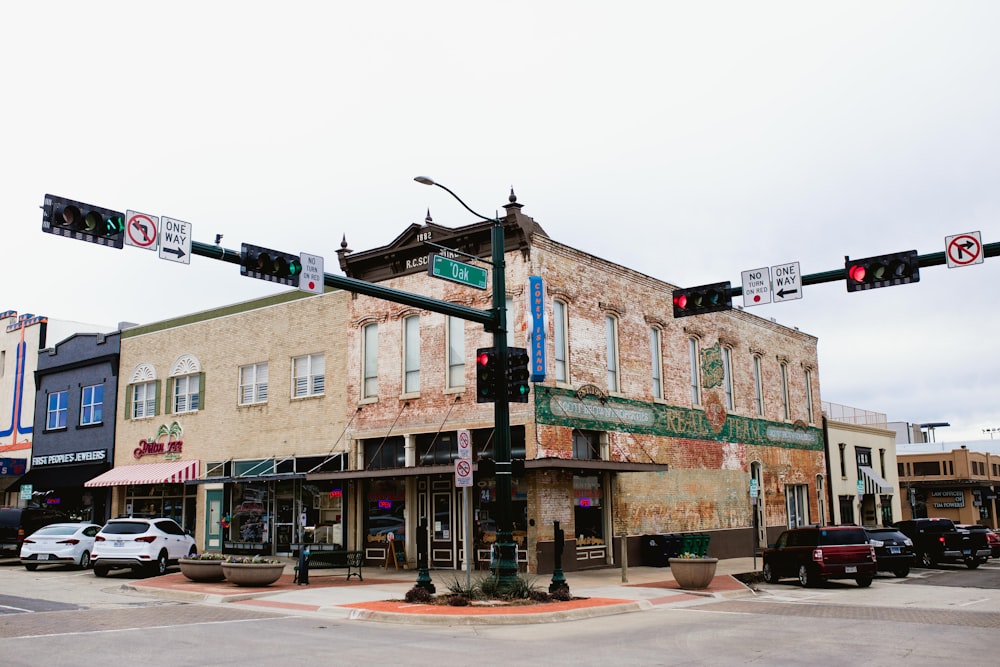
point(175, 240)
point(787, 282)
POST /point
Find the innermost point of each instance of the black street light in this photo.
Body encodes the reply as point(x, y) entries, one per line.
point(504, 562)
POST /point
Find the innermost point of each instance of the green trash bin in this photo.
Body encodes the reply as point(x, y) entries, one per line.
point(689, 544)
point(703, 544)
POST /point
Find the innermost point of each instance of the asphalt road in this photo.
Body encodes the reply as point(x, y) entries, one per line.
point(67, 617)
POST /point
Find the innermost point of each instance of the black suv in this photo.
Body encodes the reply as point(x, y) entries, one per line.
point(16, 523)
point(893, 550)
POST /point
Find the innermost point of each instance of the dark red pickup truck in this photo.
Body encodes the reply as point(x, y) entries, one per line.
point(815, 554)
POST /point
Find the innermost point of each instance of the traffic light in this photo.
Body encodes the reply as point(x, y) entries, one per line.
point(704, 299)
point(486, 375)
point(517, 375)
point(271, 265)
point(85, 222)
point(897, 268)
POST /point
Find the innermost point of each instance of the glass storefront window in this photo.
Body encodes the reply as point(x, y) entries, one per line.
point(588, 510)
point(174, 501)
point(386, 511)
point(248, 520)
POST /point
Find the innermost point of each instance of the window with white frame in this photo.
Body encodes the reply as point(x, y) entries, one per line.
point(92, 405)
point(186, 393)
point(758, 386)
point(253, 384)
point(656, 355)
point(560, 340)
point(143, 400)
point(611, 341)
point(456, 352)
point(411, 354)
point(727, 376)
point(308, 375)
point(785, 407)
point(809, 396)
point(695, 371)
point(55, 416)
point(369, 365)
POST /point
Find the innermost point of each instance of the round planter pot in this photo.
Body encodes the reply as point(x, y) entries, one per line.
point(693, 573)
point(253, 574)
point(202, 570)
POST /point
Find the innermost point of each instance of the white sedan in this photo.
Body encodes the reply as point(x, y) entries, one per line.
point(59, 544)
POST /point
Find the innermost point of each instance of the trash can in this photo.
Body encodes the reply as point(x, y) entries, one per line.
point(655, 551)
point(674, 541)
point(689, 544)
point(703, 544)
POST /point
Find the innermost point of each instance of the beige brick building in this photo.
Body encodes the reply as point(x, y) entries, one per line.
point(642, 423)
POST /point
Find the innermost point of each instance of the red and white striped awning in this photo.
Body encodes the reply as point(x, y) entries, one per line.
point(168, 472)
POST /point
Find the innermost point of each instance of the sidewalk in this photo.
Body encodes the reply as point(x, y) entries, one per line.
point(380, 596)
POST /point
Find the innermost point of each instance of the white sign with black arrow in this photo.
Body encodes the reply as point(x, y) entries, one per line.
point(786, 280)
point(175, 240)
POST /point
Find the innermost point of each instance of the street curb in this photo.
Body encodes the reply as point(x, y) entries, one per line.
point(490, 619)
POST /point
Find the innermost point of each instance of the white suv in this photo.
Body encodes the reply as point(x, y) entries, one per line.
point(140, 544)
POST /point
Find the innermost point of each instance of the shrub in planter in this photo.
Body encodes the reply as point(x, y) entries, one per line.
point(202, 567)
point(418, 594)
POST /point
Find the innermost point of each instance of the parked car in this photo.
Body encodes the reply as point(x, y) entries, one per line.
point(815, 554)
point(893, 550)
point(937, 540)
point(992, 539)
point(16, 523)
point(59, 544)
point(149, 545)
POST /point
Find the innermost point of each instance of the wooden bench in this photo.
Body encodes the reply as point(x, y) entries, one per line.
point(321, 558)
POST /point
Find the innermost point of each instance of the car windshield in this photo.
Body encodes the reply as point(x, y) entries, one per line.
point(56, 530)
point(125, 528)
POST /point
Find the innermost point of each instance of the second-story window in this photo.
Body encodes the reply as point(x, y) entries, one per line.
point(308, 375)
point(786, 408)
point(369, 355)
point(727, 376)
point(758, 386)
point(55, 416)
point(411, 354)
point(656, 355)
point(559, 339)
point(253, 384)
point(456, 352)
point(143, 400)
point(187, 393)
point(611, 340)
point(695, 371)
point(809, 396)
point(92, 405)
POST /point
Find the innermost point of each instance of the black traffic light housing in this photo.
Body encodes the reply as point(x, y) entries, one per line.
point(486, 375)
point(703, 299)
point(84, 222)
point(899, 268)
point(271, 265)
point(518, 372)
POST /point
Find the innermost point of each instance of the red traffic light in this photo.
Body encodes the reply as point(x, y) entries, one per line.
point(898, 268)
point(702, 299)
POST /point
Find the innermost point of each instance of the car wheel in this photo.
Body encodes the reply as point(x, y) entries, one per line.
point(101, 571)
point(768, 574)
point(31, 567)
point(864, 582)
point(85, 560)
point(926, 559)
point(159, 567)
point(972, 563)
point(901, 571)
point(806, 578)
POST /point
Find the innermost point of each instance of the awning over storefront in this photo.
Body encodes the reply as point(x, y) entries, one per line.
point(168, 472)
point(55, 477)
point(248, 478)
point(531, 464)
point(875, 483)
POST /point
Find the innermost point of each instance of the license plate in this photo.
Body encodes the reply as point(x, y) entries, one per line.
point(894, 550)
point(118, 543)
point(43, 556)
point(851, 569)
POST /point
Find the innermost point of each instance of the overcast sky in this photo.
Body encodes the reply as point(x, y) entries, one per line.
point(689, 141)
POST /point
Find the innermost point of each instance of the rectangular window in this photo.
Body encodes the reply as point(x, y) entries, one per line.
point(411, 354)
point(308, 375)
point(727, 376)
point(456, 352)
point(144, 400)
point(186, 393)
point(843, 460)
point(91, 405)
point(586, 445)
point(55, 417)
point(511, 323)
point(785, 408)
point(253, 384)
point(657, 359)
point(369, 384)
point(922, 468)
point(695, 371)
point(809, 396)
point(758, 386)
point(611, 340)
point(560, 340)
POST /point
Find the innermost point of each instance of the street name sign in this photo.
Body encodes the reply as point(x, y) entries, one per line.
point(459, 272)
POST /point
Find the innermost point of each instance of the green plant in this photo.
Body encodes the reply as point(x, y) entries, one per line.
point(251, 560)
point(520, 588)
point(458, 587)
point(208, 555)
point(688, 554)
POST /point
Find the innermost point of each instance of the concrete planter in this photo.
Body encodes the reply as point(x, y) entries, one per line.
point(253, 574)
point(201, 570)
point(693, 573)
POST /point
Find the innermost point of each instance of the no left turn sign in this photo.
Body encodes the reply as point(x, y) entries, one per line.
point(964, 249)
point(140, 230)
